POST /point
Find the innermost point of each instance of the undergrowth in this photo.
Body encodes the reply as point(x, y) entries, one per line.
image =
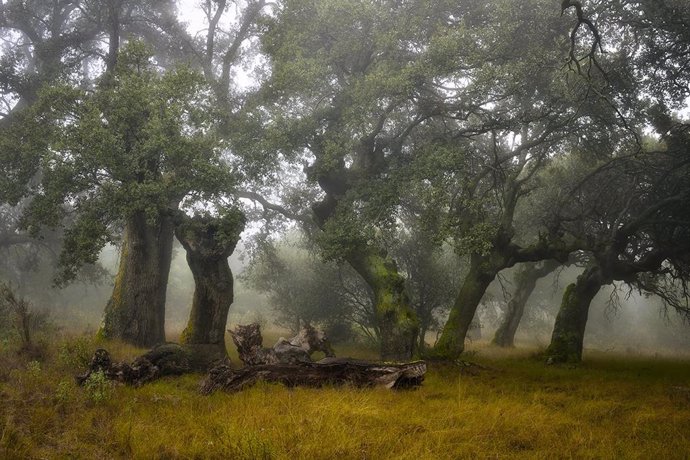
point(509, 406)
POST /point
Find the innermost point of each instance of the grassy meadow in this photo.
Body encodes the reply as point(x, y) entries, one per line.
point(511, 407)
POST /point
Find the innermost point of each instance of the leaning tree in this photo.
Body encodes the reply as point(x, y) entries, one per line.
point(630, 194)
point(361, 70)
point(498, 124)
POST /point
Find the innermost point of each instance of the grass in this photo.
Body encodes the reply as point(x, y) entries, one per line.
point(609, 407)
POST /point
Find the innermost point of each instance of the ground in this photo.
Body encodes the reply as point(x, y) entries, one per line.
point(515, 406)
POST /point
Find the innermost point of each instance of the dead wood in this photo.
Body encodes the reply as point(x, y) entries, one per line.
point(298, 349)
point(162, 360)
point(328, 371)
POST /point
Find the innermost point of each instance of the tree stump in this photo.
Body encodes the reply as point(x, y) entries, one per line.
point(298, 349)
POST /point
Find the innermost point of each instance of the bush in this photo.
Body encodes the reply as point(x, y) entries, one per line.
point(98, 388)
point(75, 353)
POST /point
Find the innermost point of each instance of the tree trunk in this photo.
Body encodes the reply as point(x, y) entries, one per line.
point(452, 341)
point(396, 320)
point(209, 242)
point(136, 311)
point(569, 330)
point(526, 279)
point(423, 328)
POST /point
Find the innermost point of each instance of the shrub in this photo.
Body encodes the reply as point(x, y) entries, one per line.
point(75, 353)
point(98, 388)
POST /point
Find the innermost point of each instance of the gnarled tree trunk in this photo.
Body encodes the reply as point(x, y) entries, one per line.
point(209, 242)
point(569, 331)
point(397, 322)
point(452, 341)
point(526, 279)
point(136, 311)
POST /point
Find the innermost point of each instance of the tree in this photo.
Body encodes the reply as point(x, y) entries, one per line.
point(305, 290)
point(126, 156)
point(499, 125)
point(350, 110)
point(209, 241)
point(525, 280)
point(633, 205)
point(431, 272)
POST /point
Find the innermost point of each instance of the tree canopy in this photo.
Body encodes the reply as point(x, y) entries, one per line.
point(407, 139)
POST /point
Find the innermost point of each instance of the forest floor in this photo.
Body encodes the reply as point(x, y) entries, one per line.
point(513, 406)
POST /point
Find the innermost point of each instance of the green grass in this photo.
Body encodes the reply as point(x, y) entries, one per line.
point(609, 407)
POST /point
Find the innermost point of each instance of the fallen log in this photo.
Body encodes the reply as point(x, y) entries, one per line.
point(328, 371)
point(162, 360)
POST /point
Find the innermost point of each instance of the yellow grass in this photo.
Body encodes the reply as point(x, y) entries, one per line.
point(609, 407)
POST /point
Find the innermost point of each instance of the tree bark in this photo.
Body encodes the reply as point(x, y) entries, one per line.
point(526, 279)
point(452, 341)
point(569, 331)
point(136, 311)
point(162, 360)
point(209, 242)
point(397, 322)
point(328, 371)
point(298, 349)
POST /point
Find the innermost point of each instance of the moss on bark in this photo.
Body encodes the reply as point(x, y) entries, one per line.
point(482, 272)
point(209, 241)
point(569, 331)
point(397, 322)
point(135, 312)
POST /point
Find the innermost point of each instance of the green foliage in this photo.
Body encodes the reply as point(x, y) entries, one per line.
point(479, 239)
point(64, 392)
point(33, 369)
point(300, 287)
point(143, 142)
point(98, 388)
point(342, 234)
point(76, 353)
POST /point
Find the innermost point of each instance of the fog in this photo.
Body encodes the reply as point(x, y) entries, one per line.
point(620, 320)
point(632, 324)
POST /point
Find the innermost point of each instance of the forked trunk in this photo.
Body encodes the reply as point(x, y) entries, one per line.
point(452, 341)
point(136, 311)
point(209, 242)
point(569, 331)
point(397, 322)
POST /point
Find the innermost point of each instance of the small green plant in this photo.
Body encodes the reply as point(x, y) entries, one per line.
point(75, 353)
point(98, 387)
point(64, 391)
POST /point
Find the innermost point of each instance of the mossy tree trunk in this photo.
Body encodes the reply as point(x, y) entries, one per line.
point(526, 280)
point(397, 322)
point(569, 331)
point(135, 312)
point(209, 242)
point(452, 341)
